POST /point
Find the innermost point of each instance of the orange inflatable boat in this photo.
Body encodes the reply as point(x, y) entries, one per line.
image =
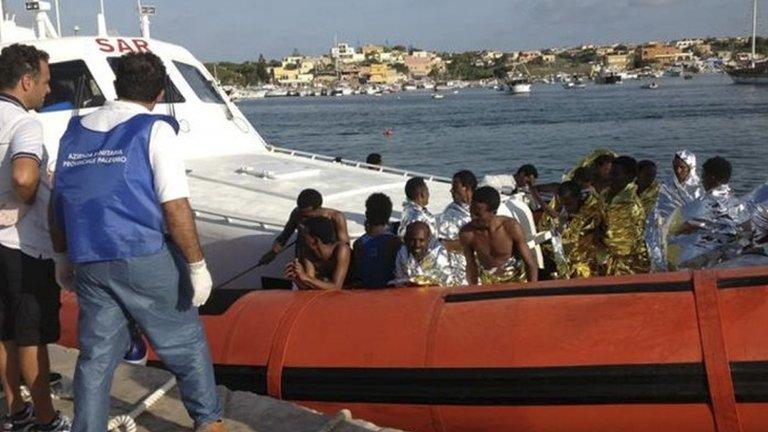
point(667, 352)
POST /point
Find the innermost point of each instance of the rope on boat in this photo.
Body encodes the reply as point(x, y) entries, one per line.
point(126, 422)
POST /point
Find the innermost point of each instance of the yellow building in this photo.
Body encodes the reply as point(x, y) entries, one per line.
point(291, 76)
point(381, 74)
point(616, 61)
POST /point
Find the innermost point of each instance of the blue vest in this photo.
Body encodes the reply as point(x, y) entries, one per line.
point(104, 192)
point(376, 269)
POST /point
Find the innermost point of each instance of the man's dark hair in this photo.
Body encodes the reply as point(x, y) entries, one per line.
point(646, 164)
point(466, 178)
point(569, 188)
point(528, 170)
point(320, 227)
point(309, 198)
point(378, 209)
point(373, 159)
point(413, 187)
point(603, 159)
point(583, 175)
point(719, 169)
point(488, 196)
point(16, 61)
point(139, 77)
point(628, 164)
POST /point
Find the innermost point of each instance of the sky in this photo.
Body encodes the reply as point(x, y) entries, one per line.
point(237, 30)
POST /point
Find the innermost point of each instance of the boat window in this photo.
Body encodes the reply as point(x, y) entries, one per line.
point(172, 93)
point(203, 88)
point(72, 87)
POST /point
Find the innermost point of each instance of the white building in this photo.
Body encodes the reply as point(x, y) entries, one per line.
point(346, 53)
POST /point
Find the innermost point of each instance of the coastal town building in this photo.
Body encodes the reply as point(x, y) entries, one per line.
point(616, 62)
point(378, 73)
point(346, 53)
point(688, 43)
point(660, 54)
point(547, 58)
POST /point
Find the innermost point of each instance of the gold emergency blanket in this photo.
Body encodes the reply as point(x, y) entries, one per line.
point(649, 196)
point(512, 271)
point(581, 246)
point(623, 237)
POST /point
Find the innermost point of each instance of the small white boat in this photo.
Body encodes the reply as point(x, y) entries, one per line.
point(519, 85)
point(438, 96)
point(574, 85)
point(651, 86)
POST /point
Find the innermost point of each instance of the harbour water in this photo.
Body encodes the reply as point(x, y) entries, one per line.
point(493, 132)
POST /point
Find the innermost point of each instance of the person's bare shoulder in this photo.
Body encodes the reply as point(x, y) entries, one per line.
point(510, 224)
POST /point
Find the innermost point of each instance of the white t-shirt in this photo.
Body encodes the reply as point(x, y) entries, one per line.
point(164, 147)
point(21, 135)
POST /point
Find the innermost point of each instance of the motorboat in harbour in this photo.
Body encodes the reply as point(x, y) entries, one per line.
point(650, 86)
point(519, 85)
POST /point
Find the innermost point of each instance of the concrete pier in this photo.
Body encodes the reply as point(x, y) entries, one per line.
point(242, 411)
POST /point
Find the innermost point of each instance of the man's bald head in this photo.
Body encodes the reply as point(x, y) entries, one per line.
point(417, 227)
point(417, 237)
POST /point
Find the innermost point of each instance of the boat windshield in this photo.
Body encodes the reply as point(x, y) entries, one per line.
point(172, 93)
point(203, 88)
point(72, 87)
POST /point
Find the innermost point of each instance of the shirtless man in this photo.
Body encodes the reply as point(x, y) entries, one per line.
point(327, 262)
point(308, 204)
point(494, 246)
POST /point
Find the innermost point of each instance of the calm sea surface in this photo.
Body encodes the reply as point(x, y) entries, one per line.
point(492, 132)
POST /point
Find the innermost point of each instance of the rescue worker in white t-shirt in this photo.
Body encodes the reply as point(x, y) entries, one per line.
point(29, 297)
point(120, 186)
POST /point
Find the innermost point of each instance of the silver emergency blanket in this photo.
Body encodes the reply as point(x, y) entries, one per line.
point(672, 196)
point(454, 217)
point(709, 230)
point(433, 270)
point(413, 212)
point(755, 249)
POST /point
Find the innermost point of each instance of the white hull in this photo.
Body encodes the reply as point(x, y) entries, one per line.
point(520, 88)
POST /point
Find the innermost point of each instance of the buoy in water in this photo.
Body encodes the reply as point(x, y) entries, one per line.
point(388, 132)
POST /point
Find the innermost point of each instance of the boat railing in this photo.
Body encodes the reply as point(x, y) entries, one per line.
point(357, 164)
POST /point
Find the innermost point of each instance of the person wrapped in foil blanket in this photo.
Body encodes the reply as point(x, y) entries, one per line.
point(422, 260)
point(449, 223)
point(713, 228)
point(679, 189)
point(755, 252)
point(577, 232)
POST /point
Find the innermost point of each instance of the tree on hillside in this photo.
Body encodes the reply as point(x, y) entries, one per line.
point(262, 72)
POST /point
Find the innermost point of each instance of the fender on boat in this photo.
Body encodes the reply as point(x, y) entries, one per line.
point(683, 351)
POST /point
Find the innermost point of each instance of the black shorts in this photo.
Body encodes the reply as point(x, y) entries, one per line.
point(29, 299)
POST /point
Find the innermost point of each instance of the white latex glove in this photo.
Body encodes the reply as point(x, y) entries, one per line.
point(201, 283)
point(65, 272)
point(11, 212)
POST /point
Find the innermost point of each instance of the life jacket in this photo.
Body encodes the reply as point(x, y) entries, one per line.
point(104, 194)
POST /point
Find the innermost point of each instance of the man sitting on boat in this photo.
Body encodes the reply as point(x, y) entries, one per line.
point(712, 228)
point(453, 218)
point(422, 261)
point(494, 246)
point(578, 232)
point(679, 189)
point(327, 259)
point(755, 252)
point(374, 253)
point(415, 209)
point(624, 222)
point(308, 204)
point(647, 186)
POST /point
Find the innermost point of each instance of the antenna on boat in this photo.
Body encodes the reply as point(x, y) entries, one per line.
point(44, 26)
point(144, 13)
point(2, 18)
point(101, 21)
point(754, 29)
point(58, 16)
